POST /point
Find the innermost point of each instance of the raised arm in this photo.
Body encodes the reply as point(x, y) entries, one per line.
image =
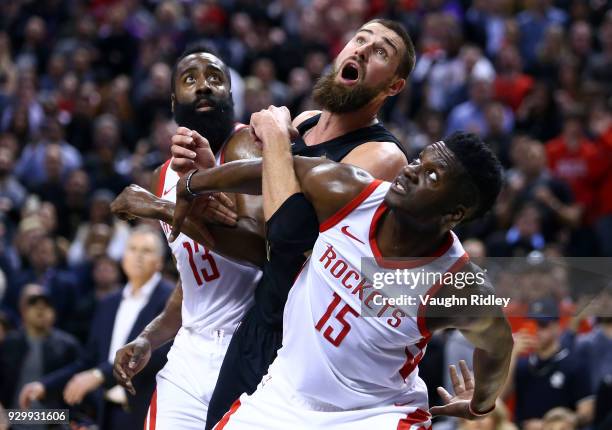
point(328, 185)
point(488, 330)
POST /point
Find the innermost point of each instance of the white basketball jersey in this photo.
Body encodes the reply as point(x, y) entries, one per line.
point(333, 351)
point(217, 291)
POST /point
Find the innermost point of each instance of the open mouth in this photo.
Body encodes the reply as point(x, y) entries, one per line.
point(398, 186)
point(350, 72)
point(203, 105)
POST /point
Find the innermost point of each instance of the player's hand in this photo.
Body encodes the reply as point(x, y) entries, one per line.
point(79, 386)
point(457, 405)
point(133, 202)
point(130, 360)
point(215, 208)
point(30, 392)
point(190, 151)
point(274, 117)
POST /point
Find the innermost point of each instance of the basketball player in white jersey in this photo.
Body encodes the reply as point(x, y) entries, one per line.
point(341, 367)
point(214, 291)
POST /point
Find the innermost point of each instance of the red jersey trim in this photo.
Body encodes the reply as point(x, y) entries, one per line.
point(391, 263)
point(419, 416)
point(412, 361)
point(349, 207)
point(221, 424)
point(151, 424)
point(162, 178)
point(462, 261)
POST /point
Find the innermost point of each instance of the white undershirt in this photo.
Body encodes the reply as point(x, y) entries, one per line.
point(129, 308)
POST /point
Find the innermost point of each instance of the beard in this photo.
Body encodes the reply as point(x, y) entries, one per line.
point(337, 98)
point(216, 125)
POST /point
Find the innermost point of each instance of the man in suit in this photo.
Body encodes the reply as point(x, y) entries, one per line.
point(119, 318)
point(35, 349)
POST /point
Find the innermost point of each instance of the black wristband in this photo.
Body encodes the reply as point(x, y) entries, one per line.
point(188, 182)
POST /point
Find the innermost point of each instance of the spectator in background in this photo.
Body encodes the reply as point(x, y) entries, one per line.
point(153, 96)
point(74, 205)
point(24, 114)
point(35, 349)
point(530, 181)
point(560, 419)
point(511, 84)
point(118, 319)
point(497, 420)
point(549, 375)
point(533, 23)
point(538, 115)
point(595, 348)
point(581, 42)
point(601, 127)
point(264, 70)
point(44, 268)
point(101, 165)
point(31, 169)
point(12, 193)
point(116, 233)
point(497, 136)
point(470, 115)
point(599, 67)
point(573, 158)
point(525, 235)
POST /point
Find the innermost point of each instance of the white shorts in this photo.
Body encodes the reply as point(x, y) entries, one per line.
point(273, 407)
point(186, 383)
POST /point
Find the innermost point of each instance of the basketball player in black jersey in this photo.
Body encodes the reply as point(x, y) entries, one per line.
point(371, 67)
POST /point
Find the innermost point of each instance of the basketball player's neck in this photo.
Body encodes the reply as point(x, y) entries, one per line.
point(332, 125)
point(397, 239)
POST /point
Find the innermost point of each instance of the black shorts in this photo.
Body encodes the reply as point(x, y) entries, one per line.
point(290, 232)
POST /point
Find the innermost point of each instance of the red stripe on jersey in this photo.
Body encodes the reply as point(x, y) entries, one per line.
point(416, 417)
point(390, 263)
point(411, 362)
point(350, 206)
point(222, 155)
point(153, 411)
point(162, 178)
point(461, 261)
point(227, 416)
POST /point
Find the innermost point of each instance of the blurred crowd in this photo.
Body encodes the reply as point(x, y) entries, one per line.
point(85, 110)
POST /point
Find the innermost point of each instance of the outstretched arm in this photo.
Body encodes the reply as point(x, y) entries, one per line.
point(488, 330)
point(328, 185)
point(243, 242)
point(133, 357)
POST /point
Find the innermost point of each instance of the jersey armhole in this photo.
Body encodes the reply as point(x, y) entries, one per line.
point(349, 207)
point(421, 323)
point(162, 178)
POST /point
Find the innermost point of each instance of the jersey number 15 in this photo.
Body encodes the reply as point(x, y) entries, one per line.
point(346, 327)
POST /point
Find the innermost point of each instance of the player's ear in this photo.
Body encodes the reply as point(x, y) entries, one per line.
point(454, 217)
point(397, 86)
point(172, 100)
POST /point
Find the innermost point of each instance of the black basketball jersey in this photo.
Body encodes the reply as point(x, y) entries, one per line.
point(336, 149)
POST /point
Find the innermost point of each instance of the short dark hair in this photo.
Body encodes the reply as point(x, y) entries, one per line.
point(482, 168)
point(197, 48)
point(409, 58)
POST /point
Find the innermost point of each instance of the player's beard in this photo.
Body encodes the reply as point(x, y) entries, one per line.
point(338, 98)
point(216, 125)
